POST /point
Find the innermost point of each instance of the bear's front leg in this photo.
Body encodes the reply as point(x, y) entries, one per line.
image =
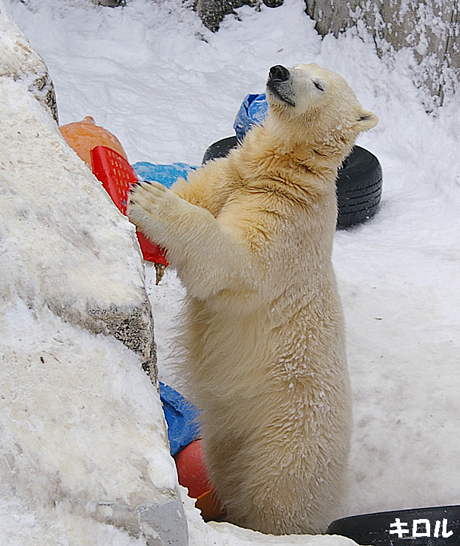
point(208, 256)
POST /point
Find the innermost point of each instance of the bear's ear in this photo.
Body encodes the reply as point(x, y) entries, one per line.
point(366, 120)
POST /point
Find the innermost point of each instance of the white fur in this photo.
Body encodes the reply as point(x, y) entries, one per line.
point(264, 350)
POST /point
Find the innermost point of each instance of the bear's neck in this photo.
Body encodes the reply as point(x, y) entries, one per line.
point(273, 148)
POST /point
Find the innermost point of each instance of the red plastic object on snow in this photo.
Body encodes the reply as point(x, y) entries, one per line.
point(191, 469)
point(192, 473)
point(118, 177)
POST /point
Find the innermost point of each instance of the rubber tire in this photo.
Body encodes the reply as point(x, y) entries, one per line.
point(359, 188)
point(359, 182)
point(221, 148)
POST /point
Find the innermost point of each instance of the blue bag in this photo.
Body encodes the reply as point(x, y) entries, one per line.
point(253, 110)
point(181, 417)
point(164, 174)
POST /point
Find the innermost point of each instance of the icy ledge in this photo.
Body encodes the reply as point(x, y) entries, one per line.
point(84, 458)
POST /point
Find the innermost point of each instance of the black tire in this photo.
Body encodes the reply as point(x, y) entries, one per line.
point(221, 148)
point(359, 188)
point(359, 182)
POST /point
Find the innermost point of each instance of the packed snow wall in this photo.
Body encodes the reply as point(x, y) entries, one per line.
point(83, 450)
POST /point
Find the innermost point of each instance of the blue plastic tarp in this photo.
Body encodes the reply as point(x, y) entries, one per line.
point(164, 174)
point(181, 417)
point(253, 110)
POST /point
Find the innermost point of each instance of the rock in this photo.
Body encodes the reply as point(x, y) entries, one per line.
point(110, 3)
point(212, 12)
point(430, 29)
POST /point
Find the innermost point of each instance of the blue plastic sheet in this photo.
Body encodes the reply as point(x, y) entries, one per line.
point(164, 174)
point(181, 416)
point(252, 111)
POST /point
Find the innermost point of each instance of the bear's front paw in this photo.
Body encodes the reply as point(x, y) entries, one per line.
point(145, 196)
point(149, 199)
point(149, 206)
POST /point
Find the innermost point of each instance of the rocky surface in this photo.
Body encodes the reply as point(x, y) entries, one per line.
point(428, 29)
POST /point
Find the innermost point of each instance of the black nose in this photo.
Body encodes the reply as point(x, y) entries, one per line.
point(278, 73)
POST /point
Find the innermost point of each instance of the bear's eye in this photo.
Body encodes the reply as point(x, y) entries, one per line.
point(318, 86)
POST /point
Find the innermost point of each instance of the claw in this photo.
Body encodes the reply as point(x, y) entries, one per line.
point(159, 269)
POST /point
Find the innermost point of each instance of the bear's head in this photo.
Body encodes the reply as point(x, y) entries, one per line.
point(314, 107)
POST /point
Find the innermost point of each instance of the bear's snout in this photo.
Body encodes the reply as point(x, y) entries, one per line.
point(279, 84)
point(278, 73)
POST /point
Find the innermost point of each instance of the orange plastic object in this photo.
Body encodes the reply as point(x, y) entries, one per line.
point(85, 135)
point(117, 177)
point(192, 473)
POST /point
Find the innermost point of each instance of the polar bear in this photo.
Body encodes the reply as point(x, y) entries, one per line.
point(250, 236)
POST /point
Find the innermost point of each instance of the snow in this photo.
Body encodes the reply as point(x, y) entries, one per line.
point(167, 88)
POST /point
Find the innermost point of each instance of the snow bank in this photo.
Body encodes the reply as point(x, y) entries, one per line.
point(83, 437)
point(83, 440)
point(67, 245)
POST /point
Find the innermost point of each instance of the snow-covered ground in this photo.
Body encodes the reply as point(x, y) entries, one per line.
point(167, 87)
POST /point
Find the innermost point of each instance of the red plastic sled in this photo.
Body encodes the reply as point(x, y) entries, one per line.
point(118, 177)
